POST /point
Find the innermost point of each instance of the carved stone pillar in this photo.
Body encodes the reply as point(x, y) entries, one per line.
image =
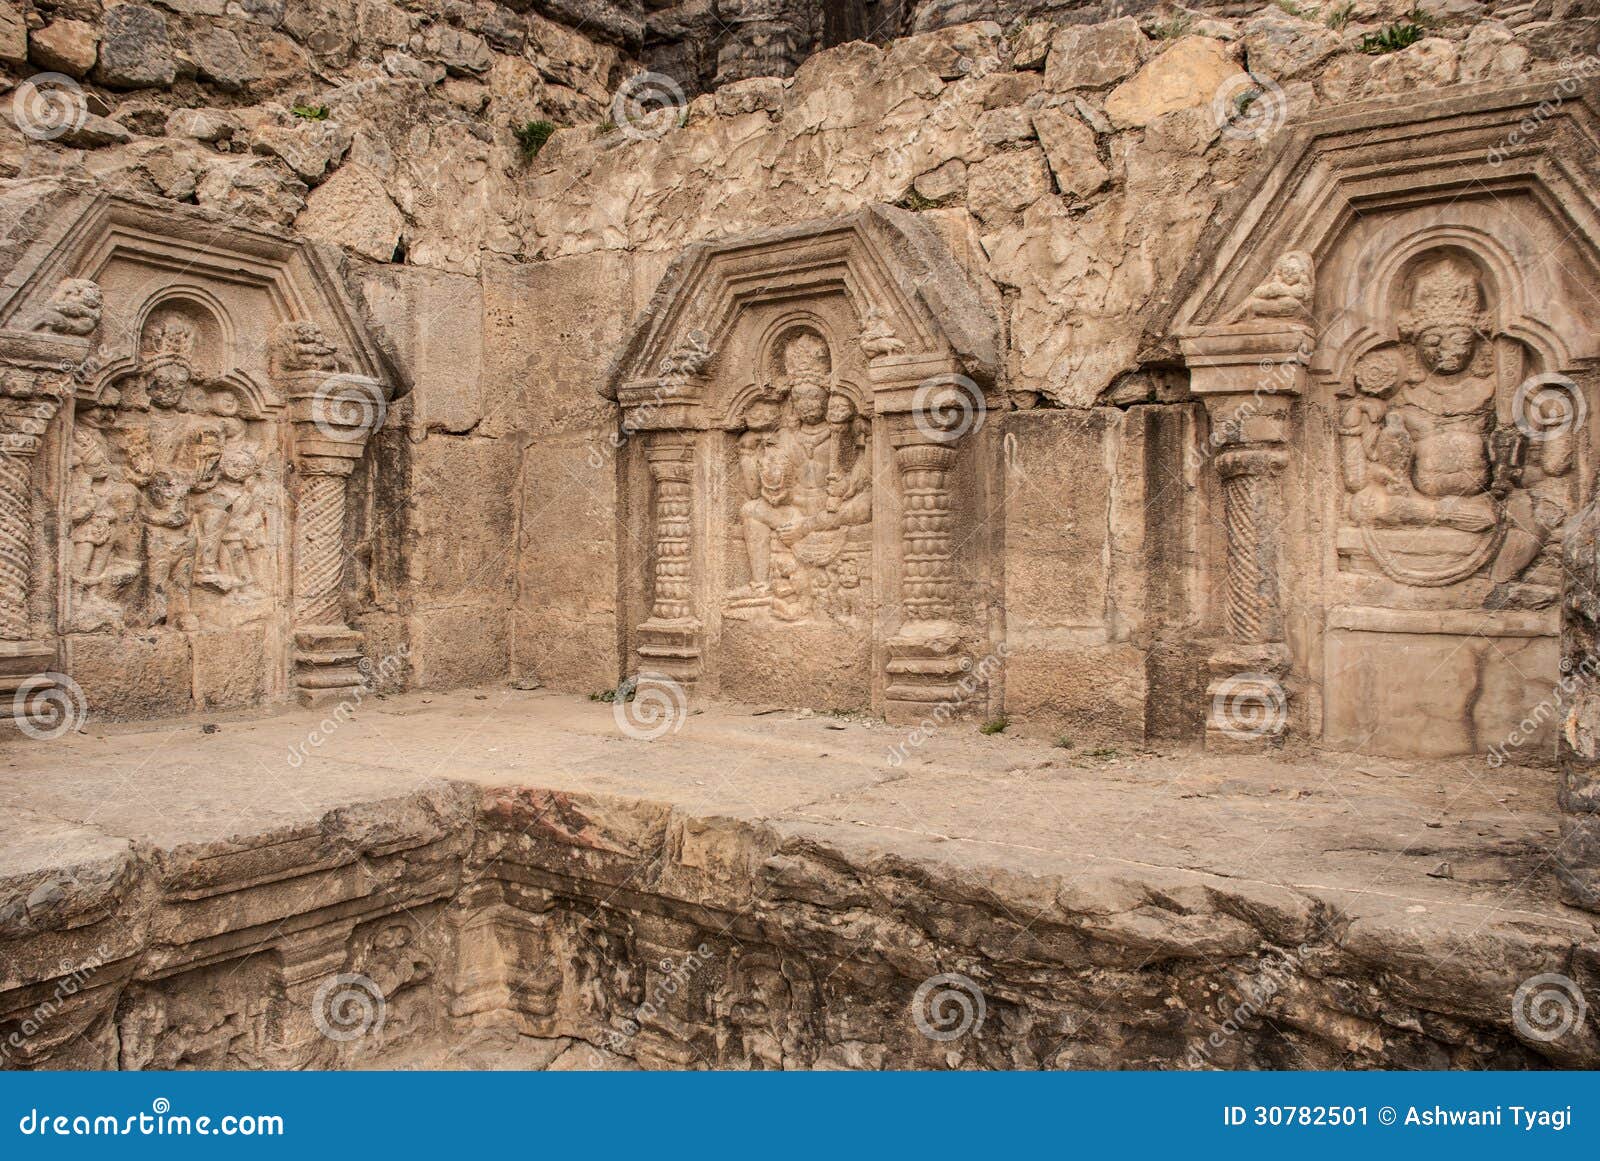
point(36, 377)
point(1248, 374)
point(925, 659)
point(669, 639)
point(1578, 856)
point(334, 412)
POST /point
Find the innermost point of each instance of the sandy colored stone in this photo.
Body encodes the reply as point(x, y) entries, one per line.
point(351, 209)
point(66, 46)
point(13, 34)
point(1005, 126)
point(1069, 146)
point(1427, 64)
point(1187, 74)
point(1088, 56)
point(946, 181)
point(1006, 183)
point(1283, 47)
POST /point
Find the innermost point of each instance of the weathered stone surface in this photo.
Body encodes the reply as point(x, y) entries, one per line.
point(1088, 56)
point(1006, 183)
point(66, 46)
point(720, 888)
point(351, 209)
point(219, 58)
point(308, 147)
point(13, 34)
point(1069, 146)
point(1186, 75)
point(135, 50)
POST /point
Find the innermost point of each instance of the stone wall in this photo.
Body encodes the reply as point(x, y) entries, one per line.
point(1072, 169)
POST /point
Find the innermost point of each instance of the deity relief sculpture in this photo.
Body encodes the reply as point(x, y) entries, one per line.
point(168, 494)
point(878, 340)
point(74, 308)
point(1285, 294)
point(688, 359)
point(1439, 486)
point(804, 464)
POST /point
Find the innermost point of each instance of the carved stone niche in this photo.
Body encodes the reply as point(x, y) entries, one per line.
point(801, 416)
point(185, 520)
point(1395, 344)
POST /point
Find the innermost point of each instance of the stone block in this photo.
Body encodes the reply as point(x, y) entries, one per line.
point(133, 675)
point(1089, 56)
point(236, 668)
point(67, 46)
point(135, 50)
point(1188, 74)
point(465, 644)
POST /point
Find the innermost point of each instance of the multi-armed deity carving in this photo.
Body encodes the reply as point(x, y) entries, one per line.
point(171, 497)
point(804, 466)
point(1444, 478)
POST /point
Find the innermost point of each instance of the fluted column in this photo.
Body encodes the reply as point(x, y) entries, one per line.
point(1248, 374)
point(334, 414)
point(37, 370)
point(669, 639)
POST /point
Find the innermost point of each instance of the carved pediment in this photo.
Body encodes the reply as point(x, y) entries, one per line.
point(913, 311)
point(1506, 175)
point(179, 285)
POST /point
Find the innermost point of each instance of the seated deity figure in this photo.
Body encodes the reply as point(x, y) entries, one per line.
point(806, 480)
point(1424, 450)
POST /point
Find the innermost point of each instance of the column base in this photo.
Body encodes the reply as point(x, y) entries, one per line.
point(925, 668)
point(1247, 697)
point(30, 664)
point(327, 664)
point(671, 648)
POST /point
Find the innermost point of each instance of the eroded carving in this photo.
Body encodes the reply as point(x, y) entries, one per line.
point(171, 496)
point(1442, 483)
point(804, 465)
point(1286, 293)
point(74, 308)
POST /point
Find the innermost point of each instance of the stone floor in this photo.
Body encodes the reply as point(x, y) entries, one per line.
point(1440, 864)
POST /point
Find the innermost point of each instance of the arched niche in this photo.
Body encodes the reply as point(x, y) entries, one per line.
point(1388, 497)
point(768, 396)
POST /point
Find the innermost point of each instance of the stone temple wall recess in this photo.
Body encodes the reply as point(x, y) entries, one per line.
point(806, 410)
point(185, 400)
